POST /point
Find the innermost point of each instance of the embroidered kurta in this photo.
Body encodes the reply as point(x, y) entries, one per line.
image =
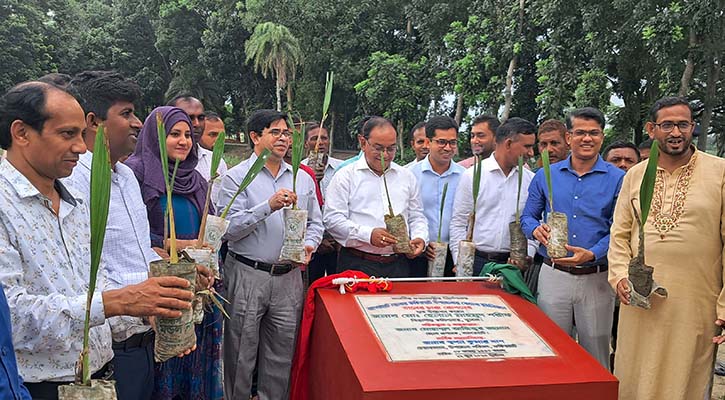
point(666, 352)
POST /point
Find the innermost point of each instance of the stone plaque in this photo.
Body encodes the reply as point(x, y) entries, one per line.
point(450, 327)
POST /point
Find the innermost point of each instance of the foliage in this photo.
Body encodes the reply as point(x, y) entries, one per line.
point(546, 165)
point(169, 182)
point(646, 189)
point(252, 173)
point(440, 214)
point(100, 198)
point(520, 173)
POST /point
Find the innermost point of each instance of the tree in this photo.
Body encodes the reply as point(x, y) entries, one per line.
point(273, 48)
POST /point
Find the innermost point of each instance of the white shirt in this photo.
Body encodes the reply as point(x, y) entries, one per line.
point(332, 164)
point(356, 204)
point(495, 208)
point(204, 168)
point(414, 162)
point(45, 269)
point(127, 249)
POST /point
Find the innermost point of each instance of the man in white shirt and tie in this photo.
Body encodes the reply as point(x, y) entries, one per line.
point(356, 203)
point(213, 127)
point(496, 203)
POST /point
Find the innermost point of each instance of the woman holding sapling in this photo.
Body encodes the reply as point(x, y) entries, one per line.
point(585, 189)
point(197, 375)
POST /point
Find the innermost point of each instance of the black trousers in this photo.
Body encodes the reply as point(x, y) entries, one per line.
point(134, 371)
point(419, 266)
point(322, 264)
point(397, 269)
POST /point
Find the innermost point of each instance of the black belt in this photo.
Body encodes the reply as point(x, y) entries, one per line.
point(273, 269)
point(378, 258)
point(142, 339)
point(498, 257)
point(586, 270)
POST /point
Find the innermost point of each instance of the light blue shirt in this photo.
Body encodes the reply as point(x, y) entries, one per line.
point(587, 200)
point(430, 185)
point(350, 160)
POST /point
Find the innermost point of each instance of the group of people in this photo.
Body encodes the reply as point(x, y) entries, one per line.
point(48, 128)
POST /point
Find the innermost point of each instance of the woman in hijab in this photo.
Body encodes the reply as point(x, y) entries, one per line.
point(197, 375)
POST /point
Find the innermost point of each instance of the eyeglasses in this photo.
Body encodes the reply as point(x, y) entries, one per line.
point(279, 132)
point(442, 142)
point(379, 149)
point(593, 133)
point(669, 126)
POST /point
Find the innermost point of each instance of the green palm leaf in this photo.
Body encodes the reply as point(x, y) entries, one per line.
point(216, 156)
point(100, 198)
point(440, 215)
point(646, 189)
point(547, 174)
point(520, 172)
point(254, 170)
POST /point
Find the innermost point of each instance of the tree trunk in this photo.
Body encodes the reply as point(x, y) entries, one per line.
point(278, 91)
point(289, 97)
point(332, 132)
point(689, 66)
point(713, 76)
point(508, 91)
point(401, 150)
point(459, 109)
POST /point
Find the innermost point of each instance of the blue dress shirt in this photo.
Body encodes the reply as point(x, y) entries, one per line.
point(350, 160)
point(11, 386)
point(587, 200)
point(430, 185)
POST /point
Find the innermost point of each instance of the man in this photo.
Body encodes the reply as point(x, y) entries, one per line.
point(194, 109)
point(213, 127)
point(359, 128)
point(324, 261)
point(419, 142)
point(644, 148)
point(552, 137)
point(432, 174)
point(107, 98)
point(496, 203)
point(355, 206)
point(572, 289)
point(667, 351)
point(313, 131)
point(265, 295)
point(45, 244)
point(621, 154)
point(483, 138)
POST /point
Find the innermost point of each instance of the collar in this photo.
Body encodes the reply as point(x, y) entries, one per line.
point(283, 166)
point(453, 168)
point(85, 160)
point(203, 152)
point(25, 189)
point(599, 166)
point(362, 164)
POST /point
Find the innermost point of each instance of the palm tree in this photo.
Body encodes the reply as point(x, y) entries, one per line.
point(273, 48)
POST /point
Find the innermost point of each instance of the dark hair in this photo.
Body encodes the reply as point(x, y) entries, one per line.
point(99, 90)
point(311, 126)
point(56, 79)
point(26, 102)
point(514, 126)
point(439, 122)
point(620, 144)
point(585, 113)
point(261, 119)
point(493, 122)
point(417, 126)
point(373, 123)
point(212, 116)
point(361, 124)
point(645, 144)
point(552, 125)
point(668, 102)
point(184, 96)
